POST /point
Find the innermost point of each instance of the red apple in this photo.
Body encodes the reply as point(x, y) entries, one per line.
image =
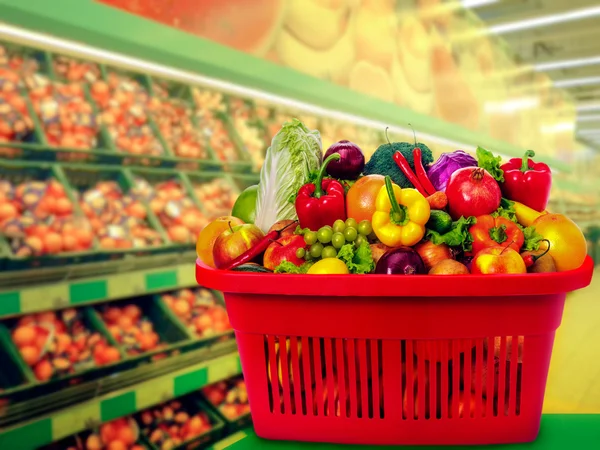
point(235, 241)
point(284, 249)
point(289, 231)
point(498, 260)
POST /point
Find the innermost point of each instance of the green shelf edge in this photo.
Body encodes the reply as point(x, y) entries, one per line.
point(56, 426)
point(86, 21)
point(78, 292)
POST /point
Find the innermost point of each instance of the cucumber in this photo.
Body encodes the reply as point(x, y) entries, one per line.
point(439, 221)
point(251, 267)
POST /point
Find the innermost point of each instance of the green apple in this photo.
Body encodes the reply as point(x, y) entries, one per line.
point(245, 205)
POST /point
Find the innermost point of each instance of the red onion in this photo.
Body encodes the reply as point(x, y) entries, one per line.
point(400, 261)
point(351, 163)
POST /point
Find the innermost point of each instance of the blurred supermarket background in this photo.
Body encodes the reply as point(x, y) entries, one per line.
point(127, 125)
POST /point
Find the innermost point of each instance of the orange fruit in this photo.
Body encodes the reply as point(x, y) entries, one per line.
point(30, 354)
point(360, 201)
point(568, 246)
point(126, 435)
point(43, 370)
point(24, 335)
point(208, 236)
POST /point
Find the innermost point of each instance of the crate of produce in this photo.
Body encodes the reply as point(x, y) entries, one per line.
point(186, 423)
point(121, 223)
point(249, 129)
point(40, 223)
point(73, 70)
point(230, 399)
point(169, 196)
point(17, 118)
point(123, 102)
point(199, 312)
point(429, 321)
point(171, 110)
point(211, 116)
point(215, 193)
point(141, 328)
point(119, 434)
point(62, 347)
point(70, 125)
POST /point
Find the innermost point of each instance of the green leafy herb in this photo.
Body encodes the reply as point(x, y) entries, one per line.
point(506, 210)
point(288, 267)
point(347, 184)
point(532, 239)
point(458, 236)
point(486, 160)
point(498, 234)
point(357, 259)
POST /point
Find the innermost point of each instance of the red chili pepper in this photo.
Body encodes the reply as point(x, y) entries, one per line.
point(490, 231)
point(530, 259)
point(420, 172)
point(527, 182)
point(407, 171)
point(323, 202)
point(260, 247)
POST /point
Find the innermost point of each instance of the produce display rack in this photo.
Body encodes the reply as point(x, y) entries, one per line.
point(102, 408)
point(34, 414)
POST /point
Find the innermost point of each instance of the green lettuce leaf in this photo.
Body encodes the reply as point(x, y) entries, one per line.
point(506, 210)
point(295, 153)
point(458, 236)
point(357, 259)
point(486, 160)
point(288, 267)
point(532, 239)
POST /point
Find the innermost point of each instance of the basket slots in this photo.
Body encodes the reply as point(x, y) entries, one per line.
point(406, 380)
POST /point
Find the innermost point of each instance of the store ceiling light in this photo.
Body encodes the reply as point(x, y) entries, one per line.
point(511, 106)
point(573, 82)
point(552, 19)
point(476, 3)
point(590, 118)
point(588, 107)
point(558, 127)
point(567, 64)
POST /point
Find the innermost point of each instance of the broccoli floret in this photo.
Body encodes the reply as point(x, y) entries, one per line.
point(382, 161)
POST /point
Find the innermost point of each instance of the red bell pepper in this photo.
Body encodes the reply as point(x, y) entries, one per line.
point(492, 231)
point(323, 202)
point(527, 182)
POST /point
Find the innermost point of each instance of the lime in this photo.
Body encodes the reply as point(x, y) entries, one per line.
point(245, 205)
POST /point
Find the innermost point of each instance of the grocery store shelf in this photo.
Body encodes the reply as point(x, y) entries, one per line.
point(229, 440)
point(72, 290)
point(74, 419)
point(196, 60)
point(557, 432)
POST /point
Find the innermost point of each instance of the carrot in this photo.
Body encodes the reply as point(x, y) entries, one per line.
point(439, 200)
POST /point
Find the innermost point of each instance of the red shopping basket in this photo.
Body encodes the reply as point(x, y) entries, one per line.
point(381, 359)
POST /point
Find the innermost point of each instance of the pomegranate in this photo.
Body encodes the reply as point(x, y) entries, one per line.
point(472, 191)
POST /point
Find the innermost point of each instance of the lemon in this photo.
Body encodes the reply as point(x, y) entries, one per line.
point(328, 266)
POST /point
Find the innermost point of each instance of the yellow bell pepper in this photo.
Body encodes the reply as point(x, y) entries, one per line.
point(400, 215)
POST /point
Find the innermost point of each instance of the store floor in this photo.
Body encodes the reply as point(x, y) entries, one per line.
point(574, 379)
